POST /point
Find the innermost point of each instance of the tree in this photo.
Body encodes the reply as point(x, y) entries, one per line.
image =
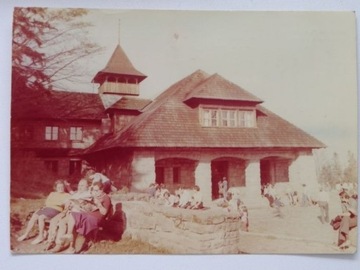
point(336, 170)
point(47, 44)
point(331, 172)
point(350, 172)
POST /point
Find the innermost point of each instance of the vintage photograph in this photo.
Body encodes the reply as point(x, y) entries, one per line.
point(183, 132)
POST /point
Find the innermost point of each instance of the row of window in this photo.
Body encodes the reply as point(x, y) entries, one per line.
point(52, 133)
point(218, 117)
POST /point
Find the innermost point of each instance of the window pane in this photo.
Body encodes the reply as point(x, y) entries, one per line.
point(79, 133)
point(76, 133)
point(214, 118)
point(241, 116)
point(72, 133)
point(206, 118)
point(55, 132)
point(249, 119)
point(51, 133)
point(224, 118)
point(232, 118)
point(47, 133)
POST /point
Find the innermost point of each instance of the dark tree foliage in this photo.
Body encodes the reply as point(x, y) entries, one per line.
point(47, 44)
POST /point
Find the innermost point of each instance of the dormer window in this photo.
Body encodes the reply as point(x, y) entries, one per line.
point(224, 117)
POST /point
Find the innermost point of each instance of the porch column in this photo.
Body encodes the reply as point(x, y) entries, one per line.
point(142, 171)
point(203, 180)
point(252, 196)
point(303, 171)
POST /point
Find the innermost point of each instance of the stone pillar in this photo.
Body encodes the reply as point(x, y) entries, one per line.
point(203, 180)
point(303, 171)
point(252, 194)
point(142, 170)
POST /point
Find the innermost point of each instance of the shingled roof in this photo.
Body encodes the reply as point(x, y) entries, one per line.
point(169, 122)
point(130, 103)
point(119, 64)
point(216, 87)
point(50, 104)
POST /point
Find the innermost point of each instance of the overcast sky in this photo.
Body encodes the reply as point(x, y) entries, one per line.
point(302, 64)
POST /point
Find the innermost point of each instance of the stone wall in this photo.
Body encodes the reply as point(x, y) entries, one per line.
point(182, 231)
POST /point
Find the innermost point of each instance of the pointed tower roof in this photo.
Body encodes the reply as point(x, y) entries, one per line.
point(118, 65)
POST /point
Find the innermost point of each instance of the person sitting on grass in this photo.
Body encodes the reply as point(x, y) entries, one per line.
point(185, 198)
point(85, 223)
point(54, 204)
point(197, 200)
point(170, 199)
point(58, 225)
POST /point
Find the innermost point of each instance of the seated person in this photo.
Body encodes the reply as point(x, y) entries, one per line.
point(54, 204)
point(185, 198)
point(169, 199)
point(78, 201)
point(96, 177)
point(151, 190)
point(197, 200)
point(84, 223)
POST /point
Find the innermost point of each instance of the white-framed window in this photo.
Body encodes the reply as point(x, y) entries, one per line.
point(76, 133)
point(223, 117)
point(246, 118)
point(210, 117)
point(51, 133)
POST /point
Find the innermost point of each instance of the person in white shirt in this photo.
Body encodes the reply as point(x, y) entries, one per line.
point(185, 198)
point(197, 200)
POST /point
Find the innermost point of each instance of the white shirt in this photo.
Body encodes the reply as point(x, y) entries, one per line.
point(97, 177)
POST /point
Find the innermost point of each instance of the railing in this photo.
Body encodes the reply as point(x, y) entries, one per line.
point(119, 88)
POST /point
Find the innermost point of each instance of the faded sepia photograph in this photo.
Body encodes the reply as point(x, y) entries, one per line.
point(183, 132)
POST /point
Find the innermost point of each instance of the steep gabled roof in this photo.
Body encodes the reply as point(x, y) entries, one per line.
point(119, 64)
point(52, 104)
point(216, 87)
point(169, 122)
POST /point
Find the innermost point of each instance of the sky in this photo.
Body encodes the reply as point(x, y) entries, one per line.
point(301, 64)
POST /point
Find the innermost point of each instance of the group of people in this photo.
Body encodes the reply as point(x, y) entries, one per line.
point(343, 223)
point(288, 196)
point(193, 199)
point(71, 214)
point(182, 198)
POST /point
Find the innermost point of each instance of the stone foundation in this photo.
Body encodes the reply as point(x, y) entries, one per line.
point(182, 231)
